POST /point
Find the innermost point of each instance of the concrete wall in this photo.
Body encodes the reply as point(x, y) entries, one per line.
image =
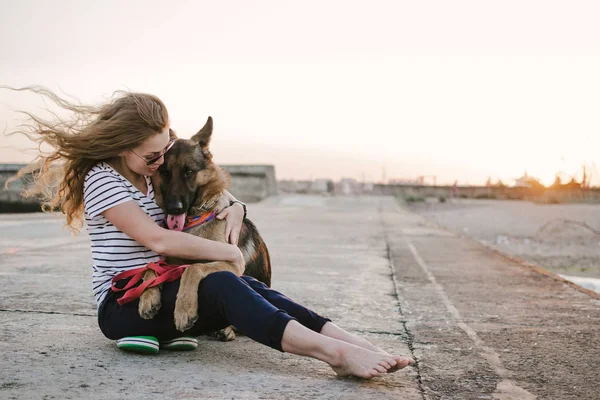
point(14, 189)
point(249, 183)
point(435, 191)
point(318, 186)
point(11, 199)
point(511, 193)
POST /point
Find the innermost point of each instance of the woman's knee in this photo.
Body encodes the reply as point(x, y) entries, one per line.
point(219, 279)
point(253, 282)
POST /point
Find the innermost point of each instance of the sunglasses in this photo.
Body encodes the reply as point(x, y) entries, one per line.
point(156, 158)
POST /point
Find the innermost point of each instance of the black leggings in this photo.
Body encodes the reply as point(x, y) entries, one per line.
point(224, 299)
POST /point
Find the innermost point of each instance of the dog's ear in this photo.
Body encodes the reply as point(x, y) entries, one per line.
point(204, 134)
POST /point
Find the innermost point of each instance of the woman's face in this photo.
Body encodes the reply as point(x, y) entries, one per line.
point(151, 151)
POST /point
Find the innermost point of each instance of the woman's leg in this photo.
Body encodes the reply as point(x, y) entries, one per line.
point(303, 315)
point(224, 297)
point(333, 331)
point(312, 320)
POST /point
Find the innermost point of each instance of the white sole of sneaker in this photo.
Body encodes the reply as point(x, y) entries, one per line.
point(182, 343)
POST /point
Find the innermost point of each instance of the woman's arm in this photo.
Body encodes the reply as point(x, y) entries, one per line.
point(130, 219)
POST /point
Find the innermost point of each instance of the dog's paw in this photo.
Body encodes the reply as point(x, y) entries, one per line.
point(224, 335)
point(149, 303)
point(186, 313)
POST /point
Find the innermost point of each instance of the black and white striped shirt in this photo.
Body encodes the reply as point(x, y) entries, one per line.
point(112, 250)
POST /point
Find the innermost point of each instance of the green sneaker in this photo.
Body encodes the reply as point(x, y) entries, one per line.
point(181, 343)
point(139, 344)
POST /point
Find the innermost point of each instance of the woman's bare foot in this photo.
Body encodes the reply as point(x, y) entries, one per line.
point(333, 331)
point(345, 358)
point(401, 362)
point(357, 361)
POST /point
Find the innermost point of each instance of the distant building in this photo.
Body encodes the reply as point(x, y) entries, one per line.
point(293, 186)
point(349, 186)
point(320, 186)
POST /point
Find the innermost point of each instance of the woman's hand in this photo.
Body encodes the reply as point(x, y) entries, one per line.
point(234, 216)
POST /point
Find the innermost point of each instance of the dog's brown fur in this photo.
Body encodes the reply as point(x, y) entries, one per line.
point(189, 182)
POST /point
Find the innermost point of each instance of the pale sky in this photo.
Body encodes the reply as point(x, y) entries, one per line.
point(458, 89)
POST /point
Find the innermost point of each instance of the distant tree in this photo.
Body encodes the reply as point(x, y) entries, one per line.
point(535, 186)
point(557, 183)
point(330, 186)
point(573, 184)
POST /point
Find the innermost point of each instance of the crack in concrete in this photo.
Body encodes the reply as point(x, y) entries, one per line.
point(401, 334)
point(410, 339)
point(46, 312)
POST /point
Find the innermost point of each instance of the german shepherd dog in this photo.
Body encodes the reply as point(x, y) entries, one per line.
point(189, 185)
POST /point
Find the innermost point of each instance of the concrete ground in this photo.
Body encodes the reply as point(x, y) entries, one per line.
point(480, 325)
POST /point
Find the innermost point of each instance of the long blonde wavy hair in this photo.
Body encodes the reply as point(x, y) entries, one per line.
point(90, 135)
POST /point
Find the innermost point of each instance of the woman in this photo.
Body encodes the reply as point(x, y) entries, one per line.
point(106, 155)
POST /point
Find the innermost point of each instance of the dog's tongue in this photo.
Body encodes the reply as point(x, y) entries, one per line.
point(176, 222)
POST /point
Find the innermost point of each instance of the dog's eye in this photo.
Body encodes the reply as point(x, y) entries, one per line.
point(188, 173)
